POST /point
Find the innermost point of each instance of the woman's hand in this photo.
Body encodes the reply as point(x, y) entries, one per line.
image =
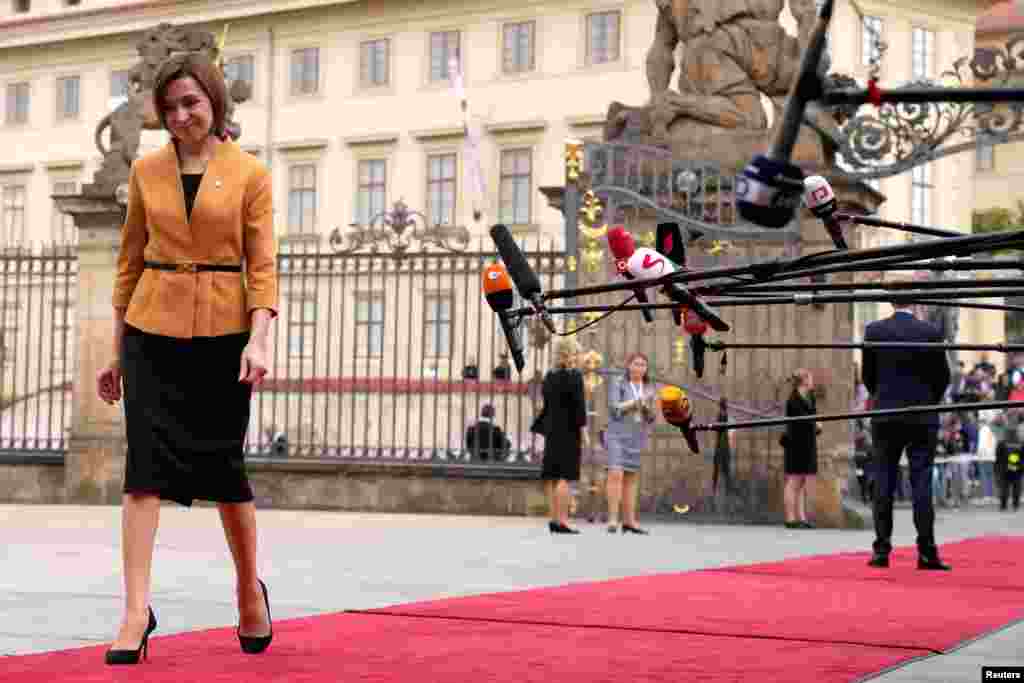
point(254, 363)
point(108, 383)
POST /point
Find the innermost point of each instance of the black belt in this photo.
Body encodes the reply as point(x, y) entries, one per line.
point(194, 267)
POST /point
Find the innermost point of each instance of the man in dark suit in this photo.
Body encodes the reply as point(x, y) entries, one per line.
point(902, 378)
point(486, 440)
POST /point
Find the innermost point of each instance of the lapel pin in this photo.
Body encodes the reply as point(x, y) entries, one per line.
point(217, 184)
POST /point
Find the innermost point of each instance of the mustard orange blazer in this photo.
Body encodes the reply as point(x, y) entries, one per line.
point(232, 224)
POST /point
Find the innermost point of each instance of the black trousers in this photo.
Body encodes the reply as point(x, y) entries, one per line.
point(1009, 488)
point(919, 440)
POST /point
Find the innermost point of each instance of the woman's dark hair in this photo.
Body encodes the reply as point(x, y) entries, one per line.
point(209, 77)
point(632, 357)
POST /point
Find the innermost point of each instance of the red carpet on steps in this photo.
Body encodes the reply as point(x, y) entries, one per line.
point(810, 619)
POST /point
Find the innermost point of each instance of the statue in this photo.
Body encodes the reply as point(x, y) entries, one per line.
point(733, 52)
point(138, 113)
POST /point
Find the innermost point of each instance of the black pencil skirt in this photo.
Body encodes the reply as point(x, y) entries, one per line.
point(186, 415)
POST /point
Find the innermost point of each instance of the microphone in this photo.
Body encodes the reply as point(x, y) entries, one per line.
point(622, 246)
point(675, 408)
point(647, 264)
point(670, 242)
point(521, 273)
point(821, 200)
point(768, 191)
point(498, 291)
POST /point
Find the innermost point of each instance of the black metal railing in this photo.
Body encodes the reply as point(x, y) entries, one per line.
point(387, 356)
point(37, 350)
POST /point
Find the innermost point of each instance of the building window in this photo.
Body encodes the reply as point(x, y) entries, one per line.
point(603, 37)
point(68, 89)
point(63, 224)
point(870, 39)
point(921, 195)
point(922, 53)
point(17, 103)
point(305, 75)
point(302, 198)
point(241, 68)
point(516, 181)
point(443, 46)
point(301, 326)
point(441, 189)
point(13, 215)
point(517, 47)
point(119, 81)
point(984, 156)
point(437, 325)
point(370, 324)
point(373, 63)
point(371, 194)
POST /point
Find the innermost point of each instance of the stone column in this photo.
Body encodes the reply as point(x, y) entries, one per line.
point(94, 467)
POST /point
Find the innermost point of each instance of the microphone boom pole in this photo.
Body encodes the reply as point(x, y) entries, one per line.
point(1002, 348)
point(832, 417)
point(848, 96)
point(896, 225)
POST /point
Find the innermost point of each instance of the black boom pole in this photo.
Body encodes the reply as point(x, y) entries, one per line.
point(891, 412)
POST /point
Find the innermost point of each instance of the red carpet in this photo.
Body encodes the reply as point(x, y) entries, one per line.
point(812, 619)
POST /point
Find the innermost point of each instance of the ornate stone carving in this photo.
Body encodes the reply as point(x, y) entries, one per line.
point(126, 123)
point(733, 52)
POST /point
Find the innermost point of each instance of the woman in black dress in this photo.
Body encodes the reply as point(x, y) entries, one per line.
point(564, 420)
point(195, 292)
point(801, 450)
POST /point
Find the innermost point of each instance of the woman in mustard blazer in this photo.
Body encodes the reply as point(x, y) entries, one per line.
point(195, 292)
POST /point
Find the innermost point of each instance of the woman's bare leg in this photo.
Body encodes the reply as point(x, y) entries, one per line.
point(239, 520)
point(549, 493)
point(801, 499)
point(614, 492)
point(789, 497)
point(562, 498)
point(630, 485)
point(140, 515)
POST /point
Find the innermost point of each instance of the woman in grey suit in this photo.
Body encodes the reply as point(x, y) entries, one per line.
point(630, 416)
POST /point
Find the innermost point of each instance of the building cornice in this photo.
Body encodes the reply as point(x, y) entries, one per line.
point(62, 164)
point(135, 15)
point(586, 120)
point(437, 133)
point(384, 138)
point(516, 126)
point(17, 168)
point(305, 143)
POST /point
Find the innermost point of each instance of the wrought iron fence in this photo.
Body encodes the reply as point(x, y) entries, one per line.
point(37, 349)
point(389, 355)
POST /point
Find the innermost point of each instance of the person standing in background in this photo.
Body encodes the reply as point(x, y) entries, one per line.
point(901, 378)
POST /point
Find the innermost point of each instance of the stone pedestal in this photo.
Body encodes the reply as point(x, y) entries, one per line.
point(94, 467)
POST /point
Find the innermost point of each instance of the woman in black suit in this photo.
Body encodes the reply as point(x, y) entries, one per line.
point(564, 419)
point(801, 450)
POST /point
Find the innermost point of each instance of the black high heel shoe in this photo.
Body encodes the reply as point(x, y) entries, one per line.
point(253, 645)
point(559, 528)
point(627, 529)
point(133, 656)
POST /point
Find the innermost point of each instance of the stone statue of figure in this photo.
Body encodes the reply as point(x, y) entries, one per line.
point(731, 53)
point(130, 118)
